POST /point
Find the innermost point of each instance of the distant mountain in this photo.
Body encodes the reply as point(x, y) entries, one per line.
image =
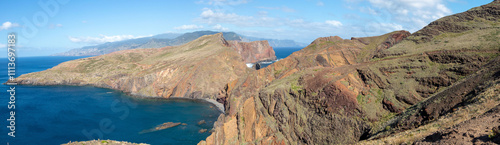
point(167, 39)
point(167, 36)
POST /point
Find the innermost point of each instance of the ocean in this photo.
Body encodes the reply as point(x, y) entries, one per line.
point(280, 52)
point(60, 114)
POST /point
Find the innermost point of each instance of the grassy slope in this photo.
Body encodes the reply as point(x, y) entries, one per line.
point(426, 63)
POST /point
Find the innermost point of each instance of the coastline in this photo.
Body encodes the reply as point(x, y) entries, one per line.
point(219, 106)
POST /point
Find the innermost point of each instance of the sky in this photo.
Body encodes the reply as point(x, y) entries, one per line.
point(45, 27)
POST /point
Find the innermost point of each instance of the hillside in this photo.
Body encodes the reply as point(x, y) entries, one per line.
point(167, 39)
point(198, 69)
point(375, 90)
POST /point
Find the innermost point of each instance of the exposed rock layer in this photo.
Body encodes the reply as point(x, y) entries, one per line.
point(255, 51)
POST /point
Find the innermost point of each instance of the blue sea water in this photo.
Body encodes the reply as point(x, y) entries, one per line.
point(281, 52)
point(59, 114)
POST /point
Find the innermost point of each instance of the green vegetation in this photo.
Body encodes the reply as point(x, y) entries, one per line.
point(277, 72)
point(495, 132)
point(345, 83)
point(296, 87)
point(360, 99)
point(449, 35)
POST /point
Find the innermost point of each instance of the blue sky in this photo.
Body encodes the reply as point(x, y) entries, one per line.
point(46, 27)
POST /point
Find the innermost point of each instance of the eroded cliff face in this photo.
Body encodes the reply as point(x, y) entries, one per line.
point(198, 69)
point(309, 97)
point(338, 91)
point(255, 51)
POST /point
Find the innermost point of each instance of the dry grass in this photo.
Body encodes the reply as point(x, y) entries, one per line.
point(485, 39)
point(482, 103)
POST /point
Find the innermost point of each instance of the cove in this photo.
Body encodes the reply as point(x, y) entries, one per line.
point(59, 114)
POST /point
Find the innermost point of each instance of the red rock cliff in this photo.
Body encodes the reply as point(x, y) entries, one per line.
point(253, 52)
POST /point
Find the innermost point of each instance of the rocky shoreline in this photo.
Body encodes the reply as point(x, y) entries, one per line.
point(219, 106)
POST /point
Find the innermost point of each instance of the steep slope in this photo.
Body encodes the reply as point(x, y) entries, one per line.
point(198, 69)
point(341, 91)
point(300, 99)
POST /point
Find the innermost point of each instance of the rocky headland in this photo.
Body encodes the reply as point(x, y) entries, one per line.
point(253, 52)
point(198, 69)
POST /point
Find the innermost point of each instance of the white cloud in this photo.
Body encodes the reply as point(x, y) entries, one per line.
point(383, 27)
point(282, 8)
point(103, 38)
point(415, 14)
point(333, 23)
point(2, 45)
point(220, 28)
point(8, 25)
point(222, 2)
point(210, 16)
point(369, 10)
point(272, 27)
point(320, 3)
point(189, 27)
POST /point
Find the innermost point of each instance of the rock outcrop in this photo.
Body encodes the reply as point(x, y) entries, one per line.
point(162, 127)
point(255, 51)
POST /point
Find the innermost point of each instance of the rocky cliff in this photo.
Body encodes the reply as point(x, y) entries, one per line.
point(255, 51)
point(198, 69)
point(390, 89)
point(303, 98)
